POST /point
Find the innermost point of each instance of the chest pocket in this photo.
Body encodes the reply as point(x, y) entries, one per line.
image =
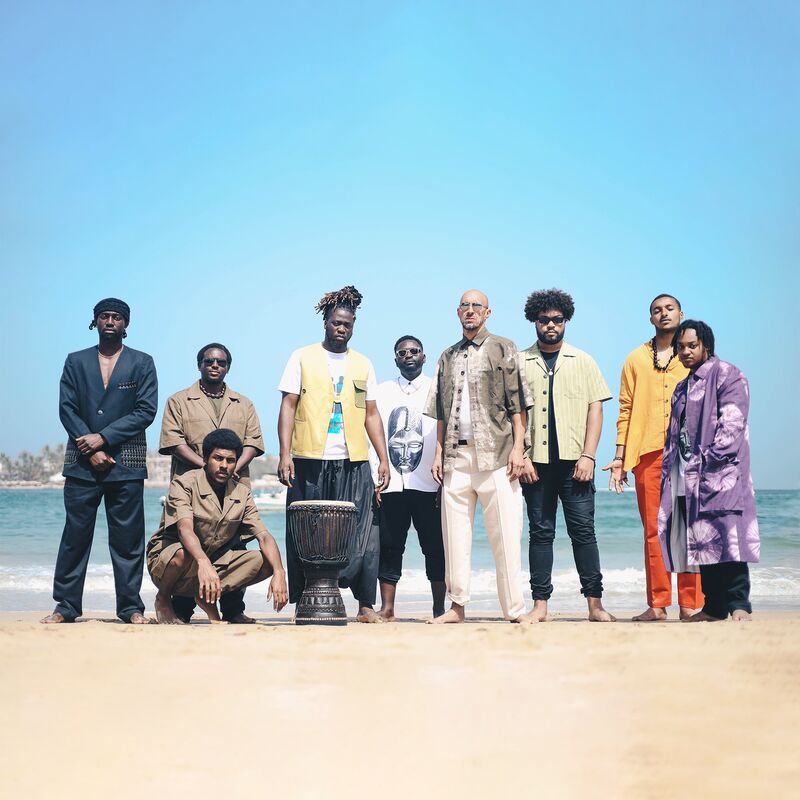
point(127, 384)
point(360, 394)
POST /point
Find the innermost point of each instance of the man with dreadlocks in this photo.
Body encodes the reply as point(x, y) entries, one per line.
point(109, 396)
point(328, 410)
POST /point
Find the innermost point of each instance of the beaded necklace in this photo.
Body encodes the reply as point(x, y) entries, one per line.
point(656, 365)
point(213, 395)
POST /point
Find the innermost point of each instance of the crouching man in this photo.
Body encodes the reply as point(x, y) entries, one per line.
point(206, 515)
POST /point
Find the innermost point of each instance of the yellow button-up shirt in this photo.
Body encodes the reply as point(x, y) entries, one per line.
point(644, 403)
point(577, 382)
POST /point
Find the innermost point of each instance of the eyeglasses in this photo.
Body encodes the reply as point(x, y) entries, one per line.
point(411, 351)
point(473, 306)
point(544, 321)
point(209, 362)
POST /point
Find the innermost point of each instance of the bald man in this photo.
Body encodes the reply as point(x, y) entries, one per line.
point(480, 401)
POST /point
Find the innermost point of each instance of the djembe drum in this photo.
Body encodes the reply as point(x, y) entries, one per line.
point(323, 532)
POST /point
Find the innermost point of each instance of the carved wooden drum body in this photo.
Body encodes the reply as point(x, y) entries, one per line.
point(323, 532)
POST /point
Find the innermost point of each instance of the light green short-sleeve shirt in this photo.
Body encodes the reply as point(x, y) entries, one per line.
point(577, 382)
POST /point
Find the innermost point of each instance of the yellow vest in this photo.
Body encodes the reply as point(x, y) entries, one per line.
point(313, 414)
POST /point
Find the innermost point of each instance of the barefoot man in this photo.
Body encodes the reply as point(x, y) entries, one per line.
point(328, 410)
point(109, 397)
point(649, 377)
point(478, 400)
point(412, 494)
point(708, 506)
point(194, 553)
point(565, 423)
point(189, 416)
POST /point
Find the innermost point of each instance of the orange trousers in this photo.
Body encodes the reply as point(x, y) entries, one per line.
point(659, 582)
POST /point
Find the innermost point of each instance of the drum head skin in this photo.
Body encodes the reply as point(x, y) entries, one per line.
point(311, 504)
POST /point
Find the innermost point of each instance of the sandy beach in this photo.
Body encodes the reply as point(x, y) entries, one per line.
point(565, 708)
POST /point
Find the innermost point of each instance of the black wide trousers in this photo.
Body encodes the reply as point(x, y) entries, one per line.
point(124, 503)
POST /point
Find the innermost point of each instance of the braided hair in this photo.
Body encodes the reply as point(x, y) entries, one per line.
point(347, 297)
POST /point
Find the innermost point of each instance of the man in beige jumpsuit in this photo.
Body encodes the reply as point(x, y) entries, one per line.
point(189, 416)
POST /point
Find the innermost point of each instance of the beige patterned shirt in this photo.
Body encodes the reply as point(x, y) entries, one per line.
point(496, 392)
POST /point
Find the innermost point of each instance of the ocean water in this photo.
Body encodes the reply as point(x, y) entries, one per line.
point(31, 522)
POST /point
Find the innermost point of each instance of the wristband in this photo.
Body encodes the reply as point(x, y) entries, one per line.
point(591, 458)
point(618, 458)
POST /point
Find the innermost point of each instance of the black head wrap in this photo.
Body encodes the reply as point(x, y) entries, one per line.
point(112, 304)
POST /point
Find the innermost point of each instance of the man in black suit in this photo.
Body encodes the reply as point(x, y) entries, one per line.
point(109, 396)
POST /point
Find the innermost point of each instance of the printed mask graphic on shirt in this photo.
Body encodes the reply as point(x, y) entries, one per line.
point(337, 421)
point(405, 439)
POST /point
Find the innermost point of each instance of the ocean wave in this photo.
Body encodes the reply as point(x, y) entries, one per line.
point(778, 582)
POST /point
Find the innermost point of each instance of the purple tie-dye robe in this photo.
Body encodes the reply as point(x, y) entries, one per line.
point(720, 501)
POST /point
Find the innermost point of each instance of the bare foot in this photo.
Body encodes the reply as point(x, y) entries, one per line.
point(138, 619)
point(454, 615)
point(537, 614)
point(687, 612)
point(165, 613)
point(212, 612)
point(596, 611)
point(438, 611)
point(701, 616)
point(740, 615)
point(241, 619)
point(651, 615)
point(387, 614)
point(368, 615)
point(53, 619)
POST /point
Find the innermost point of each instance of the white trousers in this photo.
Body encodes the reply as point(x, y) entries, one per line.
point(501, 502)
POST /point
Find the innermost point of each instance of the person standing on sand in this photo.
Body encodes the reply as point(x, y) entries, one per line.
point(189, 416)
point(412, 493)
point(707, 517)
point(108, 398)
point(565, 423)
point(479, 402)
point(194, 552)
point(649, 377)
point(327, 411)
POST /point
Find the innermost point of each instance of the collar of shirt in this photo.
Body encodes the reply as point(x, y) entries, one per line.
point(701, 373)
point(415, 385)
point(194, 392)
point(479, 339)
point(535, 354)
point(231, 487)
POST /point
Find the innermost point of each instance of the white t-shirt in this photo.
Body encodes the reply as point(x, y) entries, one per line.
point(410, 435)
point(291, 383)
point(465, 413)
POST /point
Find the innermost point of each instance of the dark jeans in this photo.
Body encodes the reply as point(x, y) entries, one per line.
point(397, 511)
point(231, 604)
point(726, 587)
point(577, 498)
point(339, 479)
point(124, 501)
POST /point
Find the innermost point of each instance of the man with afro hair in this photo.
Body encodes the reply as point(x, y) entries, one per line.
point(564, 424)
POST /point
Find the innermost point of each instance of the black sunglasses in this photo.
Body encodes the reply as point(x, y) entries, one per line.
point(411, 351)
point(547, 320)
point(209, 362)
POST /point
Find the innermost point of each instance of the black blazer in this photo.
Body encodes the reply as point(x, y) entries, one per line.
point(121, 413)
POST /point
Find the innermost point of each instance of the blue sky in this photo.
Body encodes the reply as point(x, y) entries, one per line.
point(222, 165)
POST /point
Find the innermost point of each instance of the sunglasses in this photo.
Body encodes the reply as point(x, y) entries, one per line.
point(473, 306)
point(209, 362)
point(411, 351)
point(543, 321)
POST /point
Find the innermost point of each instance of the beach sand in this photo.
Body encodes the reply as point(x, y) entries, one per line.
point(564, 709)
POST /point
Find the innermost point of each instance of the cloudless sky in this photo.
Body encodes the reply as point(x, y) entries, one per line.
point(221, 165)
